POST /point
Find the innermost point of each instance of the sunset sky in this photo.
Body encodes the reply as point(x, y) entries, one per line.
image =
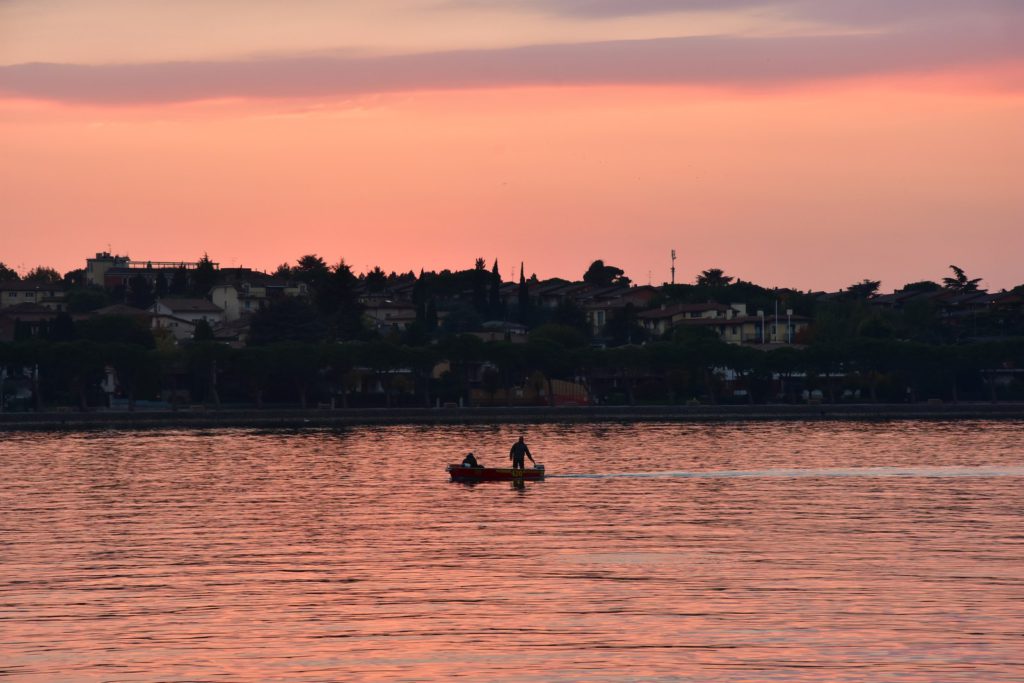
point(808, 143)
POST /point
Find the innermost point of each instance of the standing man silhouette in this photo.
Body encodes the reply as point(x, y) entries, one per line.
point(517, 452)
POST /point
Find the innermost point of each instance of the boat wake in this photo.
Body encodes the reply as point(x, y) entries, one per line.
point(804, 473)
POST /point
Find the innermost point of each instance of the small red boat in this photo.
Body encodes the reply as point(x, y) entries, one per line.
point(473, 474)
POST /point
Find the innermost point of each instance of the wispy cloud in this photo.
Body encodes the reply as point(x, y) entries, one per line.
point(715, 60)
point(856, 12)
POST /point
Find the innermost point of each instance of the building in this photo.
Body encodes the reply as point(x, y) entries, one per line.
point(192, 310)
point(179, 328)
point(243, 292)
point(180, 316)
point(24, 320)
point(388, 316)
point(111, 271)
point(660, 320)
point(731, 323)
point(501, 330)
point(601, 304)
point(753, 329)
point(96, 268)
point(49, 296)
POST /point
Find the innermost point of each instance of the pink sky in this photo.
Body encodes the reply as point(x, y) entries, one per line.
point(789, 143)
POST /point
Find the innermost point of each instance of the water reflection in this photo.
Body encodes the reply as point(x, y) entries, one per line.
point(819, 551)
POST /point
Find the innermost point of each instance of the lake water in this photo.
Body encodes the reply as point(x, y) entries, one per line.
point(656, 552)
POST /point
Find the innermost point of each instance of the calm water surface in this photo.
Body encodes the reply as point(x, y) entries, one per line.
point(661, 552)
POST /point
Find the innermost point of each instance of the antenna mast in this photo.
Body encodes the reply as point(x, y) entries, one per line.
point(673, 266)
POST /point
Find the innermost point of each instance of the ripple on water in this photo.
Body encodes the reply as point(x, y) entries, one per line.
point(732, 552)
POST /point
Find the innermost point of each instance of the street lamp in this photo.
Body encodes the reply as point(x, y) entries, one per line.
point(789, 325)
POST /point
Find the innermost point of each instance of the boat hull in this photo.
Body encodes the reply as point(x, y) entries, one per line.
point(473, 474)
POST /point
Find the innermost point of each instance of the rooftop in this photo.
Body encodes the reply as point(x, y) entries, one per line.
point(190, 305)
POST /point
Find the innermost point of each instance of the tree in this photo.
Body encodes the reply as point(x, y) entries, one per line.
point(629, 364)
point(570, 314)
point(550, 350)
point(339, 363)
point(62, 328)
point(786, 362)
point(623, 327)
point(74, 278)
point(287, 319)
point(44, 276)
point(865, 289)
point(705, 351)
point(8, 274)
point(140, 292)
point(312, 270)
point(204, 277)
point(375, 280)
point(490, 379)
point(462, 351)
point(179, 282)
point(203, 332)
point(132, 364)
point(749, 365)
point(116, 329)
point(422, 361)
point(85, 300)
point(430, 315)
point(480, 279)
point(162, 286)
point(714, 278)
point(960, 283)
point(205, 362)
point(510, 361)
point(921, 286)
point(255, 365)
point(494, 294)
point(78, 366)
point(336, 297)
point(299, 364)
point(462, 318)
point(382, 358)
point(601, 275)
point(524, 297)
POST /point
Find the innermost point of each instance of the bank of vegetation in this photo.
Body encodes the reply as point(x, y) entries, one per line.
point(321, 352)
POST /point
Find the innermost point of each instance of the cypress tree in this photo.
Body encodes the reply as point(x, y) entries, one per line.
point(524, 297)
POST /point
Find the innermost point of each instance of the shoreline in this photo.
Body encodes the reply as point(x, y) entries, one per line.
point(293, 418)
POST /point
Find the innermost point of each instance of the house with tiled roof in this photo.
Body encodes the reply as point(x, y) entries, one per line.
point(600, 304)
point(193, 309)
point(660, 320)
point(16, 292)
point(241, 292)
point(390, 316)
point(32, 318)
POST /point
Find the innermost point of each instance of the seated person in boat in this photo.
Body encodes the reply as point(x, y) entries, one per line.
point(517, 452)
point(470, 461)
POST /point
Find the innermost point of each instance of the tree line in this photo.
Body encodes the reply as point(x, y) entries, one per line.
point(693, 365)
point(320, 350)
